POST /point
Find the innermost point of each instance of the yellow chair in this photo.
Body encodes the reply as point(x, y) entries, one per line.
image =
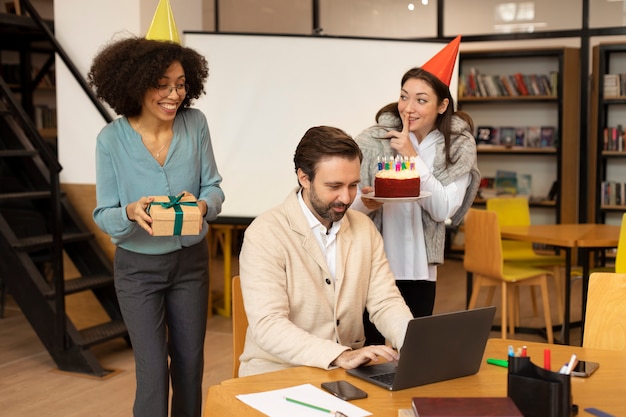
point(240, 324)
point(620, 257)
point(515, 211)
point(605, 318)
point(484, 259)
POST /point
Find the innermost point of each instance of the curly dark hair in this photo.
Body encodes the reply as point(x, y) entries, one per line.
point(124, 70)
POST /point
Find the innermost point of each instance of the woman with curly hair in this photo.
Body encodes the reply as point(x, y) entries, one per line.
point(160, 146)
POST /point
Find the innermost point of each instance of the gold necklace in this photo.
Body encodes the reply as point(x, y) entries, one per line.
point(157, 154)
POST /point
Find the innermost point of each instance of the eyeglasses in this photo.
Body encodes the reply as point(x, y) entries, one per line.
point(165, 90)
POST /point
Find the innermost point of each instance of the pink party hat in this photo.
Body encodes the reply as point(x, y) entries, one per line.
point(163, 26)
point(442, 64)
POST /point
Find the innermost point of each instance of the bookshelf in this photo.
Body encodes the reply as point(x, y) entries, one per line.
point(608, 121)
point(550, 154)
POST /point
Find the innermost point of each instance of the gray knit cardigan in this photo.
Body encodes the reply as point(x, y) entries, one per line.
point(462, 151)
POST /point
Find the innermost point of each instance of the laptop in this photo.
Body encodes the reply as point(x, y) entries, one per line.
point(436, 348)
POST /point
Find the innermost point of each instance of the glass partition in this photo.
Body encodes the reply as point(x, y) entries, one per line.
point(607, 13)
point(379, 18)
point(496, 16)
point(266, 16)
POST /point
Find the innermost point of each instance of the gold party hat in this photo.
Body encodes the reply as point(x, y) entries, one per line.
point(163, 26)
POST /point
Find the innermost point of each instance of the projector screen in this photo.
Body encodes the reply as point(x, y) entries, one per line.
point(264, 92)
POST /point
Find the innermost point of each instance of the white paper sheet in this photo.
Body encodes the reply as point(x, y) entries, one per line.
point(274, 404)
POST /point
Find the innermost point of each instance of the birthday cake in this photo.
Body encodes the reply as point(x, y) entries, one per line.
point(397, 179)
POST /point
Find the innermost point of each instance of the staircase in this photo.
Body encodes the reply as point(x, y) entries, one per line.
point(38, 228)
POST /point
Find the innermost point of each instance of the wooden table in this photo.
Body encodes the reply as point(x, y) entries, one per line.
point(605, 389)
point(586, 237)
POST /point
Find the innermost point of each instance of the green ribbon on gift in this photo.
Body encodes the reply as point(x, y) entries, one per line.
point(175, 203)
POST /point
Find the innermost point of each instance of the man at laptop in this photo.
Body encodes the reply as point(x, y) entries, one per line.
point(310, 267)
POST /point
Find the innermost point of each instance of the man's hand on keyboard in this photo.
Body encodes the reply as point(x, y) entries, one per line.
point(350, 359)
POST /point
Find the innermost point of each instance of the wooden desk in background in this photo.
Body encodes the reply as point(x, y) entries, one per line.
point(586, 237)
point(605, 389)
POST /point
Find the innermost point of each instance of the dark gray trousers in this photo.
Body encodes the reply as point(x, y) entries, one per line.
point(164, 301)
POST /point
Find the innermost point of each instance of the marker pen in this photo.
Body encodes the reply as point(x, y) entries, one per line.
point(498, 362)
point(547, 360)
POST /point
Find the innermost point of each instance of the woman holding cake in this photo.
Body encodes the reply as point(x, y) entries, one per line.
point(421, 127)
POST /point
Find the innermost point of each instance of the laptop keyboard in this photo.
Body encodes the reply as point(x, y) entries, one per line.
point(385, 378)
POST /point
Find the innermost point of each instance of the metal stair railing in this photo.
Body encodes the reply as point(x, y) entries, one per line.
point(28, 8)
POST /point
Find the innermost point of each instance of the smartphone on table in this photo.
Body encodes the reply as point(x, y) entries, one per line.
point(585, 368)
point(344, 390)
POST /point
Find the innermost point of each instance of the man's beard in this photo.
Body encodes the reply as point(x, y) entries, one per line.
point(325, 211)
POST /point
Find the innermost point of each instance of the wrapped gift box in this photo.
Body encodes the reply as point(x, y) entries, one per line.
point(173, 215)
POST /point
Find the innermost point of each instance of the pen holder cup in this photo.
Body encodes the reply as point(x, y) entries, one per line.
point(538, 392)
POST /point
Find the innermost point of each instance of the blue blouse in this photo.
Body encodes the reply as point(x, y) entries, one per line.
point(126, 171)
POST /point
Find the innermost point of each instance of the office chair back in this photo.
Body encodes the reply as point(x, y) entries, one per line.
point(483, 246)
point(240, 324)
point(620, 257)
point(605, 317)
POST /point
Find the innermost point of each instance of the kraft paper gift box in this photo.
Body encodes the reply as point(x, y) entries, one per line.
point(173, 216)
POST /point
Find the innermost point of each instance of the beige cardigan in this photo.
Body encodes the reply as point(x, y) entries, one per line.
point(296, 316)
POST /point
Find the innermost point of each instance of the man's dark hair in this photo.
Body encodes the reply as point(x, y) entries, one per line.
point(322, 142)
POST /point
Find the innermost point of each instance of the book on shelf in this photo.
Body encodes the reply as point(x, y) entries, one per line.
point(614, 138)
point(548, 136)
point(482, 88)
point(506, 182)
point(487, 182)
point(510, 89)
point(611, 85)
point(45, 117)
point(476, 84)
point(464, 407)
point(472, 88)
point(554, 83)
point(534, 83)
point(536, 137)
point(507, 136)
point(521, 84)
point(544, 85)
point(487, 188)
point(614, 85)
point(525, 184)
point(491, 85)
point(533, 136)
point(613, 193)
point(487, 135)
point(520, 136)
